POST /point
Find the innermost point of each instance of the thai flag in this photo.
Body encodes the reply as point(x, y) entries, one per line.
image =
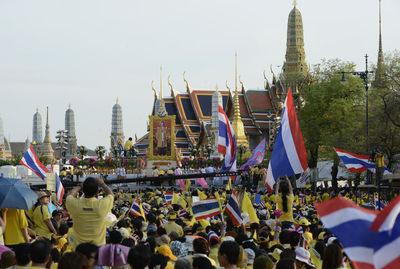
point(226, 141)
point(182, 213)
point(295, 228)
point(205, 208)
point(302, 197)
point(146, 208)
point(135, 209)
point(257, 200)
point(32, 162)
point(377, 203)
point(257, 157)
point(232, 209)
point(289, 156)
point(375, 242)
point(59, 187)
point(168, 197)
point(357, 163)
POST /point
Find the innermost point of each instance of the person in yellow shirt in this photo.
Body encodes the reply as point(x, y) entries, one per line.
point(284, 199)
point(127, 147)
point(88, 214)
point(41, 218)
point(16, 231)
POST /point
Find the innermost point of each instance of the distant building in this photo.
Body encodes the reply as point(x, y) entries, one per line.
point(37, 130)
point(70, 127)
point(5, 149)
point(117, 128)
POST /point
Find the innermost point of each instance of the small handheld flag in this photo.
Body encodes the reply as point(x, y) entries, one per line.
point(226, 141)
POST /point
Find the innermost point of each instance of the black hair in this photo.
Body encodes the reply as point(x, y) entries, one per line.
point(284, 237)
point(231, 249)
point(129, 242)
point(161, 231)
point(158, 259)
point(288, 254)
point(39, 251)
point(22, 254)
point(88, 249)
point(55, 255)
point(320, 247)
point(63, 229)
point(139, 256)
point(202, 263)
point(284, 189)
point(90, 187)
point(286, 264)
point(115, 237)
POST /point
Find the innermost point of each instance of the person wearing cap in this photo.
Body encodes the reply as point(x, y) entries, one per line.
point(305, 224)
point(171, 226)
point(89, 213)
point(303, 258)
point(41, 217)
point(165, 250)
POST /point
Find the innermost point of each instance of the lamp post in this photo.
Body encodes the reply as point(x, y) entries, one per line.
point(364, 76)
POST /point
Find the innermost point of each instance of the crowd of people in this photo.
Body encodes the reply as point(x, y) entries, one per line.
point(95, 228)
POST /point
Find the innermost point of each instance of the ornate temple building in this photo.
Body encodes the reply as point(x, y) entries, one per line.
point(117, 128)
point(5, 148)
point(37, 130)
point(295, 68)
point(45, 149)
point(70, 127)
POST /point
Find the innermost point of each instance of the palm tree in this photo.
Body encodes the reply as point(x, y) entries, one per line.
point(82, 152)
point(100, 152)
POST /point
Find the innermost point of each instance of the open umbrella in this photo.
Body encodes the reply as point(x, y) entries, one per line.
point(14, 193)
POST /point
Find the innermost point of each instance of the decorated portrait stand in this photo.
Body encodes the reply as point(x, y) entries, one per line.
point(161, 151)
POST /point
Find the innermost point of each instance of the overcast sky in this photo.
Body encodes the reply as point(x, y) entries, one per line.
point(89, 52)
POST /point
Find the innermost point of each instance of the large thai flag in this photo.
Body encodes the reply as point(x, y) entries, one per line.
point(226, 141)
point(370, 238)
point(32, 162)
point(205, 208)
point(289, 156)
point(357, 163)
point(257, 157)
point(59, 187)
point(233, 210)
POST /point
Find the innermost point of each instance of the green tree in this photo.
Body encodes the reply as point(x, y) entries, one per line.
point(331, 114)
point(385, 108)
point(82, 152)
point(100, 152)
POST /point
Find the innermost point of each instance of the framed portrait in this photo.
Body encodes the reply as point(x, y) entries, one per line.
point(162, 138)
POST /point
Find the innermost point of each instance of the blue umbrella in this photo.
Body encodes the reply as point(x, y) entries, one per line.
point(14, 193)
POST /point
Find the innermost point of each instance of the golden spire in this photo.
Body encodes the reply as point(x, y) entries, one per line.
point(237, 124)
point(37, 109)
point(294, 3)
point(116, 101)
point(69, 105)
point(187, 83)
point(161, 95)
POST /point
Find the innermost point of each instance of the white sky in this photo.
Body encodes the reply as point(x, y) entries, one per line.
point(89, 52)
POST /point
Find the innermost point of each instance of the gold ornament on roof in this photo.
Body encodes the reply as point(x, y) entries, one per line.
point(187, 83)
point(170, 85)
point(154, 90)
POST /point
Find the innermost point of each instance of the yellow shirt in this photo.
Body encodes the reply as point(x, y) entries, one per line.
point(88, 215)
point(40, 214)
point(325, 196)
point(286, 216)
point(16, 220)
point(379, 160)
point(128, 145)
point(173, 227)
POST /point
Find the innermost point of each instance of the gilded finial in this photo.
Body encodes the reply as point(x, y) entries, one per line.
point(266, 84)
point(170, 85)
point(37, 109)
point(154, 90)
point(227, 86)
point(273, 75)
point(187, 83)
point(161, 95)
point(235, 71)
point(69, 105)
point(294, 3)
point(116, 101)
point(216, 87)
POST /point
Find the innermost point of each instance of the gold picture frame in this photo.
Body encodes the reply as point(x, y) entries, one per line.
point(162, 138)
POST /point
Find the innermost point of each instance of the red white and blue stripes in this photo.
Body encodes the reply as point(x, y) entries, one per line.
point(59, 187)
point(226, 141)
point(32, 162)
point(205, 208)
point(233, 210)
point(135, 209)
point(370, 238)
point(357, 163)
point(289, 156)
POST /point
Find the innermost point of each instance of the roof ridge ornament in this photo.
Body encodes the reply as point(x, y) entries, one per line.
point(185, 80)
point(170, 85)
point(154, 90)
point(227, 86)
point(266, 84)
point(241, 83)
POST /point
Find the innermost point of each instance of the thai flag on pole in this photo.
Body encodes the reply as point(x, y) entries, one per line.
point(59, 187)
point(357, 163)
point(302, 197)
point(168, 197)
point(257, 157)
point(226, 141)
point(289, 156)
point(375, 242)
point(232, 209)
point(205, 208)
point(32, 162)
point(135, 209)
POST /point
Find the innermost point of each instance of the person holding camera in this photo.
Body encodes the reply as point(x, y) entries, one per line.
point(285, 198)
